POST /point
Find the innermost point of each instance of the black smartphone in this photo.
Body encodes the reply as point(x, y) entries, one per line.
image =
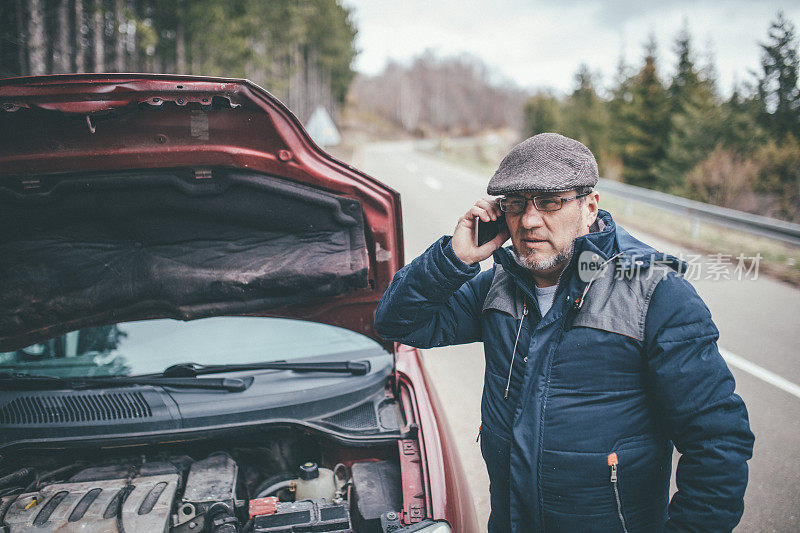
point(486, 231)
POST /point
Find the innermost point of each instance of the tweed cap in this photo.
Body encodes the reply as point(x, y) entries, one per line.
point(545, 162)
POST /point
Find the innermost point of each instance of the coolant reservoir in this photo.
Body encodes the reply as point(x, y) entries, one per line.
point(314, 483)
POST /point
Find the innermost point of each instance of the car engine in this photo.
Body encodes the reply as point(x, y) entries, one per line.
point(223, 491)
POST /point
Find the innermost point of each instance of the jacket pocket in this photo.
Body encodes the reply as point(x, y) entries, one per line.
point(495, 452)
point(638, 475)
point(580, 492)
point(574, 488)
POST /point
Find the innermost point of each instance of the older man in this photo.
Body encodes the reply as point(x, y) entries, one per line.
point(599, 357)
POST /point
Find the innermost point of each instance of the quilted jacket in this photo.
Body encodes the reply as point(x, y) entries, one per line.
point(579, 423)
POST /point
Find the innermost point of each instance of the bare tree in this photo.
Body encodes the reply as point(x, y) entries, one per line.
point(456, 95)
point(36, 44)
point(61, 52)
point(119, 34)
point(180, 40)
point(130, 42)
point(21, 35)
point(98, 32)
point(80, 38)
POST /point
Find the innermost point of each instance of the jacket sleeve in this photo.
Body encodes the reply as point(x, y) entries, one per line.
point(433, 301)
point(705, 419)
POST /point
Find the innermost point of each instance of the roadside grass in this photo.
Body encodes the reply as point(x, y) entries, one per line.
point(778, 260)
point(476, 157)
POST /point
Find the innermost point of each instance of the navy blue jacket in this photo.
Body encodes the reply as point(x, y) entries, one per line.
point(617, 373)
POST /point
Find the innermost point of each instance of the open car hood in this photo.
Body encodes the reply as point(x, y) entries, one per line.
point(131, 196)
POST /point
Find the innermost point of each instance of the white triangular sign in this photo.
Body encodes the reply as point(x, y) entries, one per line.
point(322, 129)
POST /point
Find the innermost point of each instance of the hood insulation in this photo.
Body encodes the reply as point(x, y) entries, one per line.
point(186, 244)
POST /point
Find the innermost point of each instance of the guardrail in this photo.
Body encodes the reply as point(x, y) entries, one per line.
point(754, 224)
point(771, 228)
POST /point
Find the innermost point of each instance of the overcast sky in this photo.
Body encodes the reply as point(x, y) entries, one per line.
point(541, 43)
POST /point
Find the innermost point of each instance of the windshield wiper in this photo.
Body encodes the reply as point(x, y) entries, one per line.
point(356, 368)
point(20, 381)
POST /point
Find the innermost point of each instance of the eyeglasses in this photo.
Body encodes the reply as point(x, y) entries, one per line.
point(516, 205)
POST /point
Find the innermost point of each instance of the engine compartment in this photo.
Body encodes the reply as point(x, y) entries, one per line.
point(281, 480)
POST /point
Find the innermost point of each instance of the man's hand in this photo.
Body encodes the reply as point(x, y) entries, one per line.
point(464, 235)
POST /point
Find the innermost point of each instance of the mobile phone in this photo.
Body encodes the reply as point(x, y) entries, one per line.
point(486, 231)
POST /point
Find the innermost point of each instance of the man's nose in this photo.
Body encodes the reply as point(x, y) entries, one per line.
point(532, 217)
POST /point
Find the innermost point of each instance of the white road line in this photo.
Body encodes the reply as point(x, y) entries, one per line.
point(761, 373)
point(432, 182)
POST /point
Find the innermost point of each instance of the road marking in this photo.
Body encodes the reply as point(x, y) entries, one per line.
point(432, 182)
point(761, 373)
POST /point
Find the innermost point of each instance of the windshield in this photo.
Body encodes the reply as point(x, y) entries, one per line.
point(131, 348)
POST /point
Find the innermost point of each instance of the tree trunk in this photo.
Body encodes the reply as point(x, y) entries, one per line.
point(133, 47)
point(98, 31)
point(296, 94)
point(180, 41)
point(80, 38)
point(36, 44)
point(21, 35)
point(194, 58)
point(120, 34)
point(61, 58)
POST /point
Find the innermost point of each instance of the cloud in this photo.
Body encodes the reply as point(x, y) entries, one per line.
point(542, 43)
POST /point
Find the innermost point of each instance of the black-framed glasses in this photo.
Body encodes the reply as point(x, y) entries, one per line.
point(545, 202)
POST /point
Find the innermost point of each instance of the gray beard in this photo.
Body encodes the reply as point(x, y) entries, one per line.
point(531, 263)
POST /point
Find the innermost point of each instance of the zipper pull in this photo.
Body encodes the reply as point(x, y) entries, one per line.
point(524, 307)
point(479, 433)
point(613, 462)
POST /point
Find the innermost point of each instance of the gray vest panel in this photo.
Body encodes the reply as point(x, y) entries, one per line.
point(613, 303)
point(619, 303)
point(504, 295)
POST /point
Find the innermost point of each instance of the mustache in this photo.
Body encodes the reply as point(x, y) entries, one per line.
point(533, 237)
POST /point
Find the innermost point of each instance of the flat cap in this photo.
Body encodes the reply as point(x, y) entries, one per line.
point(545, 162)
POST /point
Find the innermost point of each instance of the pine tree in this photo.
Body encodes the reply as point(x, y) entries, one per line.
point(646, 129)
point(740, 129)
point(585, 116)
point(620, 109)
point(686, 77)
point(694, 120)
point(777, 85)
point(542, 114)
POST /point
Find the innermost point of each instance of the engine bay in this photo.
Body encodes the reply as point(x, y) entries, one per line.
point(278, 481)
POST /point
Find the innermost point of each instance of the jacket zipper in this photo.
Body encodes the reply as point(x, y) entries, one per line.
point(514, 350)
point(613, 462)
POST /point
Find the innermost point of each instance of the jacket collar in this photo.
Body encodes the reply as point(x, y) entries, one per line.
point(607, 240)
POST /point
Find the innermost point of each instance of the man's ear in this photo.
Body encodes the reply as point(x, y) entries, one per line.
point(592, 204)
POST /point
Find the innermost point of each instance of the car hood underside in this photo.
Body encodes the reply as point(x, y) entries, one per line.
point(126, 197)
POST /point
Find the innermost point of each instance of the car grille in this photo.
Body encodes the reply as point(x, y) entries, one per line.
point(66, 408)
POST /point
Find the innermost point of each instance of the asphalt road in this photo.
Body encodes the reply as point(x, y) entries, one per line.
point(759, 323)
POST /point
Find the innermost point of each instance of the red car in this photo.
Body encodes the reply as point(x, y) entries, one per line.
point(187, 290)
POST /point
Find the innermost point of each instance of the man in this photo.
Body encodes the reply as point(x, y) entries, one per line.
point(599, 356)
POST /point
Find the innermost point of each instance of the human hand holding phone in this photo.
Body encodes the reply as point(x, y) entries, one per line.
point(471, 243)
